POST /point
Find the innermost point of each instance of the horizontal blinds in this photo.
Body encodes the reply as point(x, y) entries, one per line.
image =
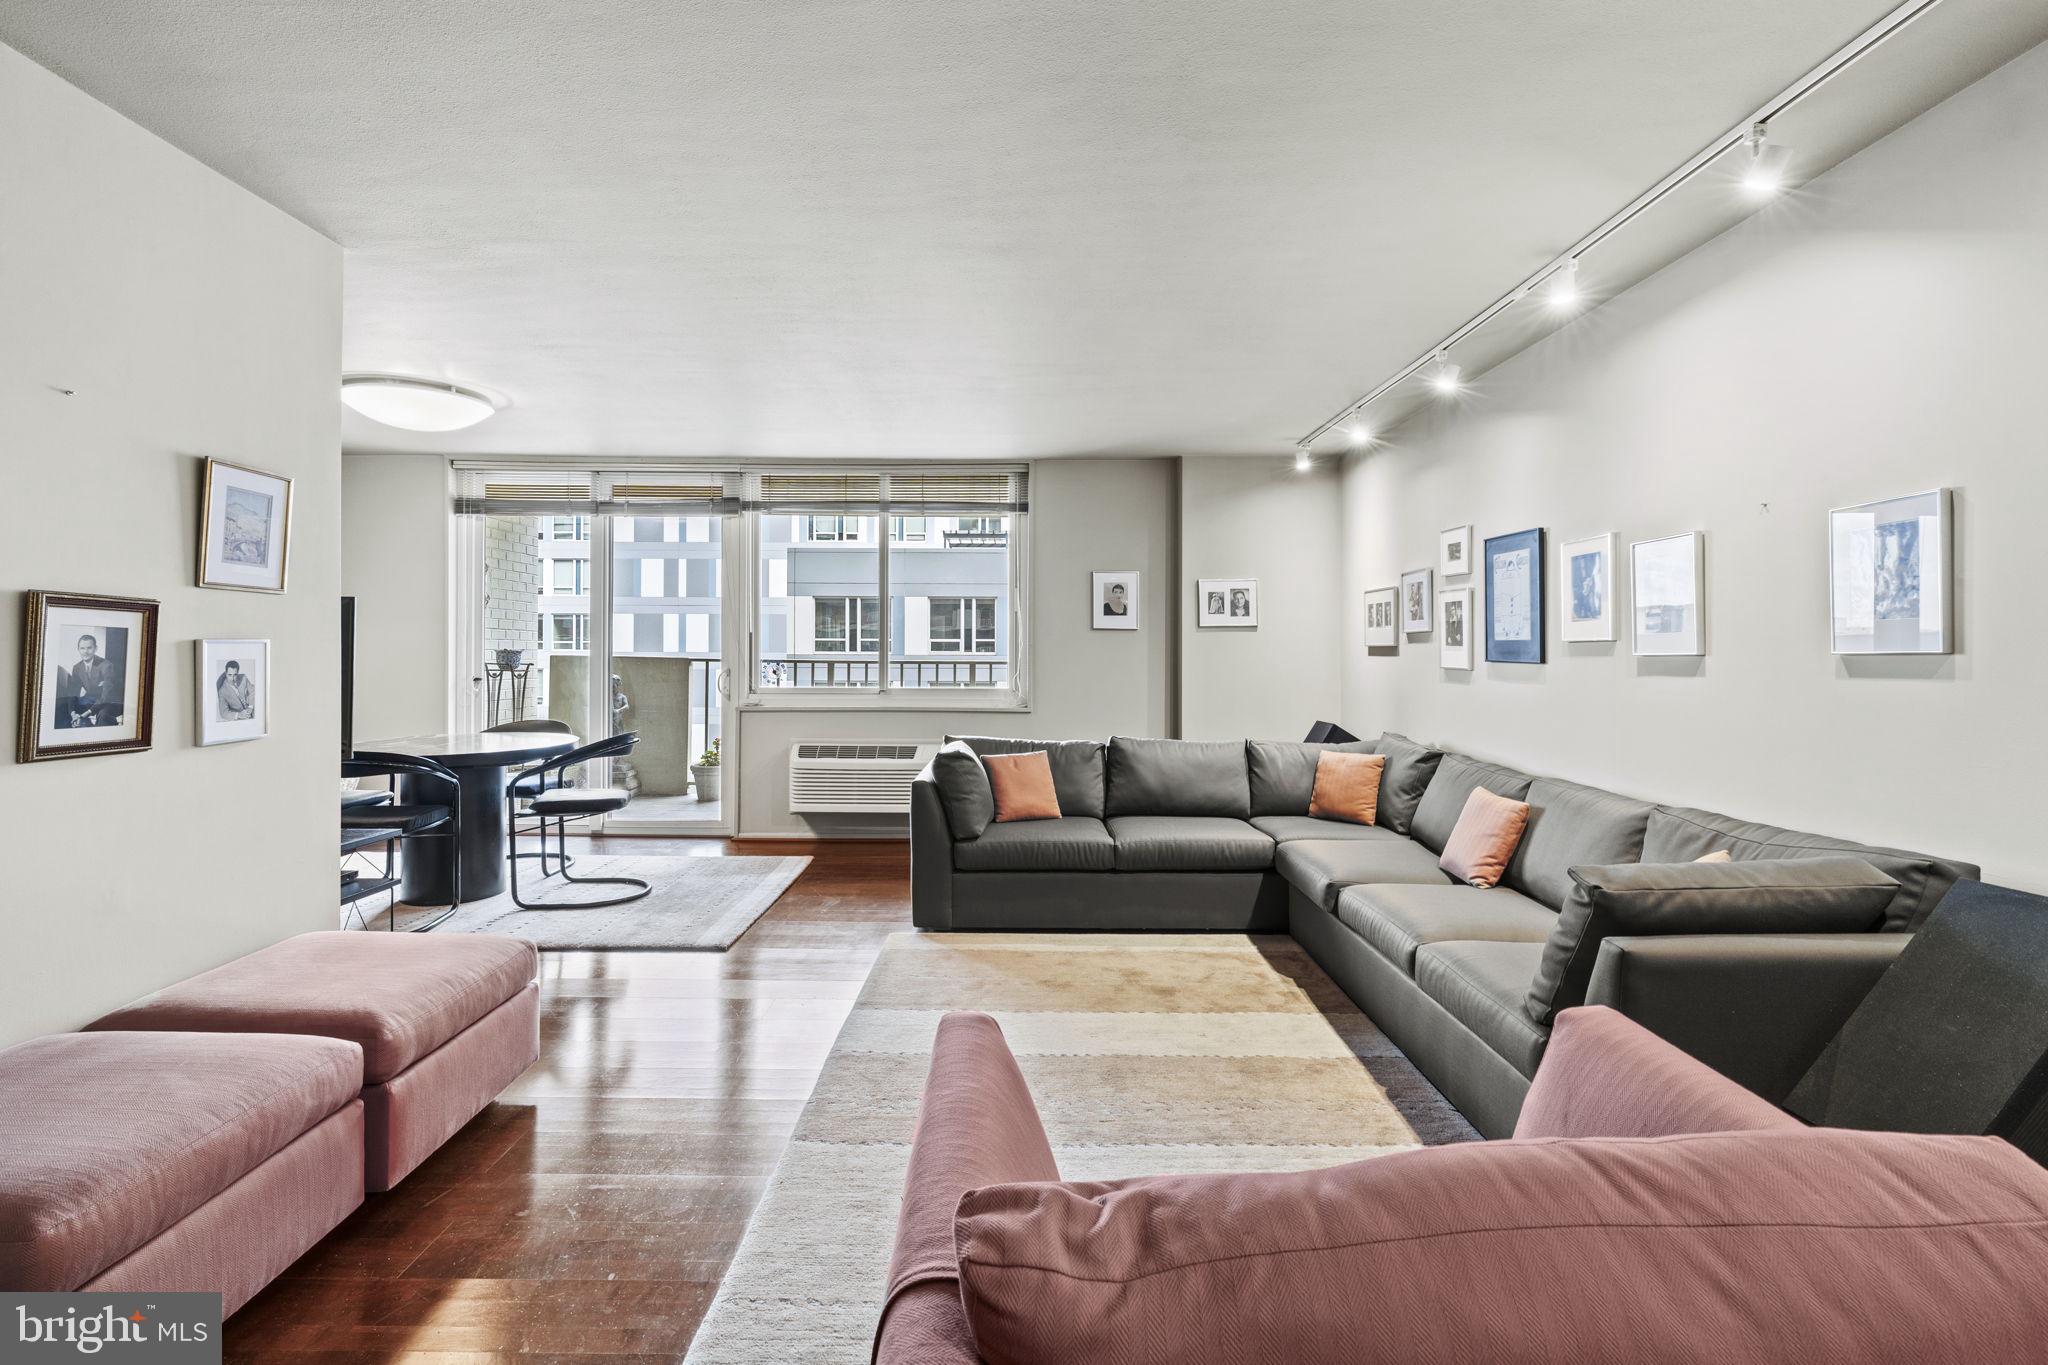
point(986, 489)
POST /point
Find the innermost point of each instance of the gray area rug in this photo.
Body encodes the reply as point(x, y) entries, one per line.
point(1147, 1054)
point(703, 904)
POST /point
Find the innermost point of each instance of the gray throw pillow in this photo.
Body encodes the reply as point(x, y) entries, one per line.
point(1761, 896)
point(1409, 768)
point(964, 792)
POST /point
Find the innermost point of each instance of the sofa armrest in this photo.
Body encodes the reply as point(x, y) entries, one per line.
point(1605, 1076)
point(976, 1126)
point(1758, 1008)
point(931, 855)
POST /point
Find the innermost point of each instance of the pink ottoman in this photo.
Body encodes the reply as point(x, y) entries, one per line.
point(445, 1022)
point(174, 1161)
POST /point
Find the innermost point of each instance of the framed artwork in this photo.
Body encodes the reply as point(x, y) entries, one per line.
point(1454, 552)
point(1454, 629)
point(1889, 574)
point(88, 675)
point(1113, 601)
point(1380, 629)
point(1227, 602)
point(1514, 598)
point(1418, 602)
point(233, 688)
point(1666, 579)
point(245, 528)
point(1586, 568)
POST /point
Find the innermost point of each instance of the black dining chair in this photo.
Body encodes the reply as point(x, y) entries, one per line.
point(525, 789)
point(563, 804)
point(405, 820)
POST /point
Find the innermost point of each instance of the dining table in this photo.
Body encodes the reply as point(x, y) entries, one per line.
point(482, 761)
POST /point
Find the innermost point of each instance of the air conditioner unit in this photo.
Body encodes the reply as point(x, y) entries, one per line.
point(868, 778)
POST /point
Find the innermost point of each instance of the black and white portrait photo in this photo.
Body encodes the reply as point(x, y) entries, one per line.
point(233, 690)
point(1418, 602)
point(1227, 602)
point(88, 676)
point(1114, 599)
point(1380, 611)
point(1454, 636)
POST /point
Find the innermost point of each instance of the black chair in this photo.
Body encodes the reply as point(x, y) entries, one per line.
point(403, 820)
point(562, 804)
point(526, 789)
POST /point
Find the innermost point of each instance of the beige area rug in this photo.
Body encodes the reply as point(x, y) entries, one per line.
point(1146, 1053)
point(701, 904)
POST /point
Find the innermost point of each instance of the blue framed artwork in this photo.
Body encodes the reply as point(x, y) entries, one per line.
point(1514, 597)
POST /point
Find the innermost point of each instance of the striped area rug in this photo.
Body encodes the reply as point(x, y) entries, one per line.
point(1147, 1054)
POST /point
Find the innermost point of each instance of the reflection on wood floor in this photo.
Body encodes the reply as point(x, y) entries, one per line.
point(590, 1213)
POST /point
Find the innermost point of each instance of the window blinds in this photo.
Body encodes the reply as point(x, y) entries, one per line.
point(988, 489)
point(540, 491)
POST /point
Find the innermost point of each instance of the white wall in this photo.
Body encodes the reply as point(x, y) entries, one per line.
point(394, 561)
point(1261, 519)
point(191, 319)
point(1878, 334)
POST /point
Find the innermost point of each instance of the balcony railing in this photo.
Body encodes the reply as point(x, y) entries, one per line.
point(981, 670)
point(977, 540)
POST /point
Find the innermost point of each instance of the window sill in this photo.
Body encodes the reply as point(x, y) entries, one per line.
point(934, 699)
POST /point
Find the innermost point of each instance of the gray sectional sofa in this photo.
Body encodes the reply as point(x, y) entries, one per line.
point(1602, 902)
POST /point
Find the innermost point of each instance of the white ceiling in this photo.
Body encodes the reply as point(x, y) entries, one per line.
point(926, 228)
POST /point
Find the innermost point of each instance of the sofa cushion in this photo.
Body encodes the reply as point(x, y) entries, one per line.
point(1396, 920)
point(1410, 767)
point(1282, 828)
point(1321, 868)
point(1838, 895)
point(1751, 1247)
point(1283, 775)
point(1678, 834)
point(964, 792)
point(112, 1138)
point(399, 996)
point(1188, 843)
point(1347, 787)
point(1571, 826)
point(1483, 985)
point(1072, 843)
point(1179, 777)
point(1456, 778)
point(1078, 770)
point(1486, 836)
point(1022, 787)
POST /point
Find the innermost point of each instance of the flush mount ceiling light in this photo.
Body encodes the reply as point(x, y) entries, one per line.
point(415, 404)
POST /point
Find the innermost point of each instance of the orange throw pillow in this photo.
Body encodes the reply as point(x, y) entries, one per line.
point(1022, 784)
point(1484, 838)
point(1347, 787)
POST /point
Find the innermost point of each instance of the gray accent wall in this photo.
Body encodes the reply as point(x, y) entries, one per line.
point(1878, 333)
point(188, 318)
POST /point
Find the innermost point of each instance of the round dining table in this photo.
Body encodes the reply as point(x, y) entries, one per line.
point(481, 761)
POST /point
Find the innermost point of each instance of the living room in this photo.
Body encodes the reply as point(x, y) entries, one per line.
point(1419, 624)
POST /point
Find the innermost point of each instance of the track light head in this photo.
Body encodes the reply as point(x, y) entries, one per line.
point(1303, 461)
point(1361, 434)
point(1562, 293)
point(1764, 174)
point(1446, 378)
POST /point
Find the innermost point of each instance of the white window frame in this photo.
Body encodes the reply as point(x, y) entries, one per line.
point(1015, 697)
point(966, 643)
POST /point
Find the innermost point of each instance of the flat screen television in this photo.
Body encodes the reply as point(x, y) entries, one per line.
point(348, 678)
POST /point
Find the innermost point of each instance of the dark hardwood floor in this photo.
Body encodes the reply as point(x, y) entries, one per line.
point(589, 1214)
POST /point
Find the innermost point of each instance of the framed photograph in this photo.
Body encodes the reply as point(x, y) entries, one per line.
point(1514, 598)
point(1454, 552)
point(88, 675)
point(233, 688)
point(1666, 583)
point(1381, 632)
point(1586, 568)
point(1113, 602)
point(1454, 629)
point(1888, 576)
point(1418, 602)
point(245, 528)
point(1227, 602)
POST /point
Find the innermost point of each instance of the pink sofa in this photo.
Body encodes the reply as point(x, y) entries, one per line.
point(444, 1022)
point(1646, 1209)
point(174, 1161)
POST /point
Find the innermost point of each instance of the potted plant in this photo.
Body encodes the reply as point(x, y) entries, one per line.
point(704, 772)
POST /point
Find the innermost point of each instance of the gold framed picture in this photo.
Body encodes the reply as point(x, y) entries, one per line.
point(245, 528)
point(88, 675)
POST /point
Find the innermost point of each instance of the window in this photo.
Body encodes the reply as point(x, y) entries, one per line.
point(910, 530)
point(844, 625)
point(566, 631)
point(567, 528)
point(963, 625)
point(834, 528)
point(569, 576)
